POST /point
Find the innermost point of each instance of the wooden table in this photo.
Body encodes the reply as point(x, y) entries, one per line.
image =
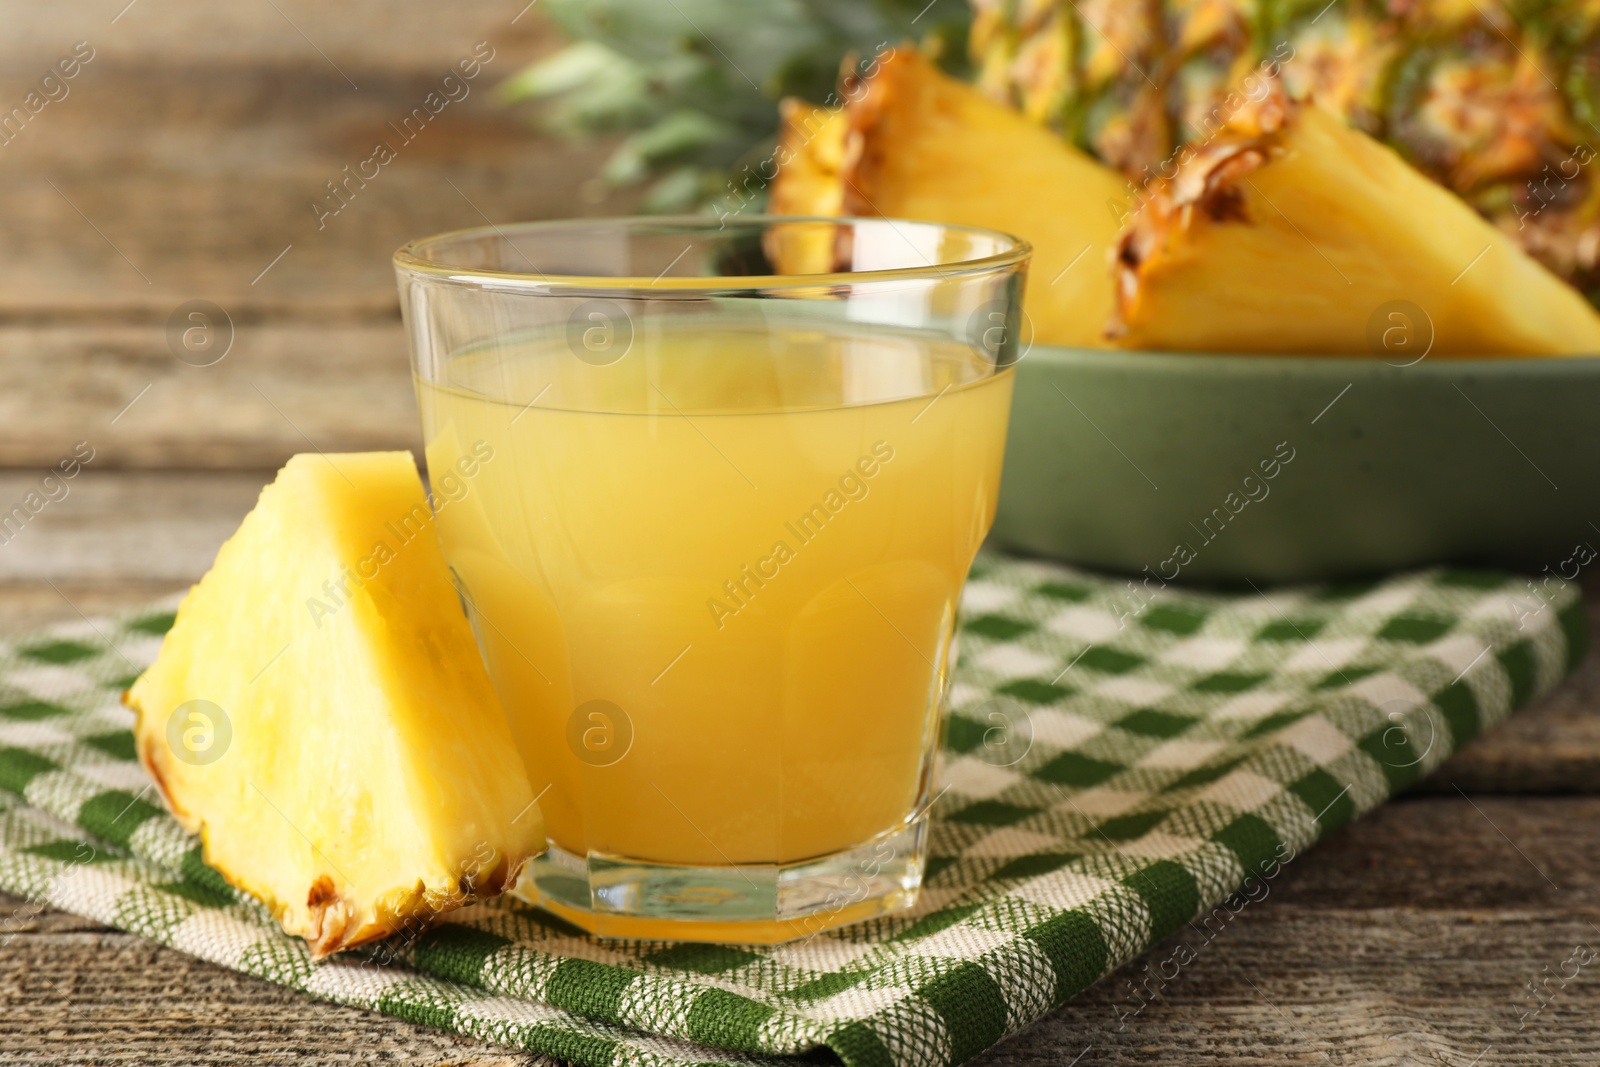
point(183, 165)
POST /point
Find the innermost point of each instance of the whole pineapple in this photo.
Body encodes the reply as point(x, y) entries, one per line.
point(1497, 100)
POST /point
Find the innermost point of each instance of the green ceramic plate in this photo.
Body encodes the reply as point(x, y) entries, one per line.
point(1276, 468)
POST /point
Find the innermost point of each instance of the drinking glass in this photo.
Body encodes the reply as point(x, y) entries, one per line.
point(709, 492)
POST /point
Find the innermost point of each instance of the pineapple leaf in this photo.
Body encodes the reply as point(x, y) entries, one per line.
point(693, 83)
point(685, 134)
point(575, 67)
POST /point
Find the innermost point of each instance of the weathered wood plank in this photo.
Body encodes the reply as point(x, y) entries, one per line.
point(351, 33)
point(1409, 938)
point(142, 209)
point(110, 528)
point(1357, 988)
point(1551, 748)
point(281, 388)
point(161, 180)
point(108, 998)
point(188, 151)
point(27, 606)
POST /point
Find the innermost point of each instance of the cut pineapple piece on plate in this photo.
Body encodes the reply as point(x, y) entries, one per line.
point(1293, 232)
point(810, 152)
point(320, 715)
point(810, 155)
point(921, 145)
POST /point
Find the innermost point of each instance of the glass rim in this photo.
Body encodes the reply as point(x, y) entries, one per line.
point(409, 258)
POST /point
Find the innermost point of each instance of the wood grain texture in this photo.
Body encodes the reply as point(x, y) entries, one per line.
point(184, 165)
point(186, 158)
point(201, 176)
point(99, 997)
point(354, 33)
point(282, 388)
point(142, 527)
point(1409, 938)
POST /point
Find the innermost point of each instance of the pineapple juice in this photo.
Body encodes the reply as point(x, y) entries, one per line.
point(715, 581)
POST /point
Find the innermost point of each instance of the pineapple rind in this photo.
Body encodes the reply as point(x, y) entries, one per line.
point(1292, 230)
point(922, 145)
point(1486, 97)
point(810, 154)
point(371, 781)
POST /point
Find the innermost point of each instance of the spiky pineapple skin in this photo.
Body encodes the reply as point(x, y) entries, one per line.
point(1497, 100)
point(368, 781)
point(1361, 241)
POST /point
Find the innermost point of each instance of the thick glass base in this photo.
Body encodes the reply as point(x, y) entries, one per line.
point(612, 896)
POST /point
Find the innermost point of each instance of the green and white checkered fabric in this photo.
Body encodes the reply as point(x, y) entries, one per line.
point(1116, 764)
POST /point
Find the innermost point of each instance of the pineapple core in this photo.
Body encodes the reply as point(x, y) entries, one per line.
point(319, 713)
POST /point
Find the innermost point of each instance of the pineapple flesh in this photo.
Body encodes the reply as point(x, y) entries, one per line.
point(810, 156)
point(1292, 232)
point(1494, 100)
point(362, 777)
point(918, 144)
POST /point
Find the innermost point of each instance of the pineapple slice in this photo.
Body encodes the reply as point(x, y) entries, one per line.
point(319, 713)
point(1491, 98)
point(1292, 232)
point(921, 145)
point(810, 154)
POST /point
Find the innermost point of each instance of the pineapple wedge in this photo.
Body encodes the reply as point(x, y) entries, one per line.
point(319, 713)
point(922, 145)
point(810, 154)
point(1292, 232)
point(1493, 99)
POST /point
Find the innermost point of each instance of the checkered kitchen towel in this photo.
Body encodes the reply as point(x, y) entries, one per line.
point(1117, 762)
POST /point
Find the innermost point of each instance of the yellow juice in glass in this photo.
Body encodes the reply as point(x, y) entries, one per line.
point(715, 581)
